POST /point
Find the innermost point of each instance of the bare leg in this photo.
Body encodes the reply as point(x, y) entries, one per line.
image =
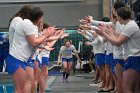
point(19, 78)
point(130, 78)
point(100, 72)
point(30, 80)
point(69, 67)
point(137, 87)
point(111, 82)
point(65, 67)
point(114, 82)
point(44, 74)
point(96, 76)
point(103, 76)
point(119, 74)
point(91, 64)
point(36, 77)
point(108, 76)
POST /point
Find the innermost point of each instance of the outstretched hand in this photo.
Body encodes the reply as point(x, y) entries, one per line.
point(50, 31)
point(86, 20)
point(48, 48)
point(85, 27)
point(101, 29)
point(64, 35)
point(83, 21)
point(89, 18)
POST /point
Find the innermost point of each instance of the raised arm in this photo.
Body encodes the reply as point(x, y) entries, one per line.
point(96, 23)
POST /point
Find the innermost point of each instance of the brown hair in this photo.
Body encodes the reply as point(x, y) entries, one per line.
point(35, 14)
point(24, 12)
point(46, 25)
point(67, 40)
point(124, 13)
point(118, 4)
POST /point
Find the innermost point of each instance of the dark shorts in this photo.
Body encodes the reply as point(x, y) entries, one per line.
point(12, 64)
point(67, 59)
point(133, 63)
point(45, 61)
point(30, 63)
point(119, 61)
point(109, 60)
point(99, 59)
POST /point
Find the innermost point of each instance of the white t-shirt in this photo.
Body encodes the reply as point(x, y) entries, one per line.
point(20, 48)
point(98, 46)
point(67, 51)
point(44, 52)
point(13, 24)
point(132, 46)
point(118, 51)
point(89, 36)
point(109, 48)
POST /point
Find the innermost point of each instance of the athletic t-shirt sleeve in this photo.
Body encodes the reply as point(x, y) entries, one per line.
point(129, 29)
point(96, 40)
point(15, 21)
point(89, 34)
point(74, 49)
point(88, 38)
point(61, 50)
point(96, 23)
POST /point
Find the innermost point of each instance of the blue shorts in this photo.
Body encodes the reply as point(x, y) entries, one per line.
point(133, 63)
point(45, 61)
point(110, 61)
point(12, 64)
point(99, 59)
point(30, 63)
point(39, 63)
point(119, 61)
point(67, 59)
point(108, 58)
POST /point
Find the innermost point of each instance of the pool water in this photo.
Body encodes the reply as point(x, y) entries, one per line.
point(6, 88)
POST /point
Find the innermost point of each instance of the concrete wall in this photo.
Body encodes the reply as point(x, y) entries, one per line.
point(106, 8)
point(56, 13)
